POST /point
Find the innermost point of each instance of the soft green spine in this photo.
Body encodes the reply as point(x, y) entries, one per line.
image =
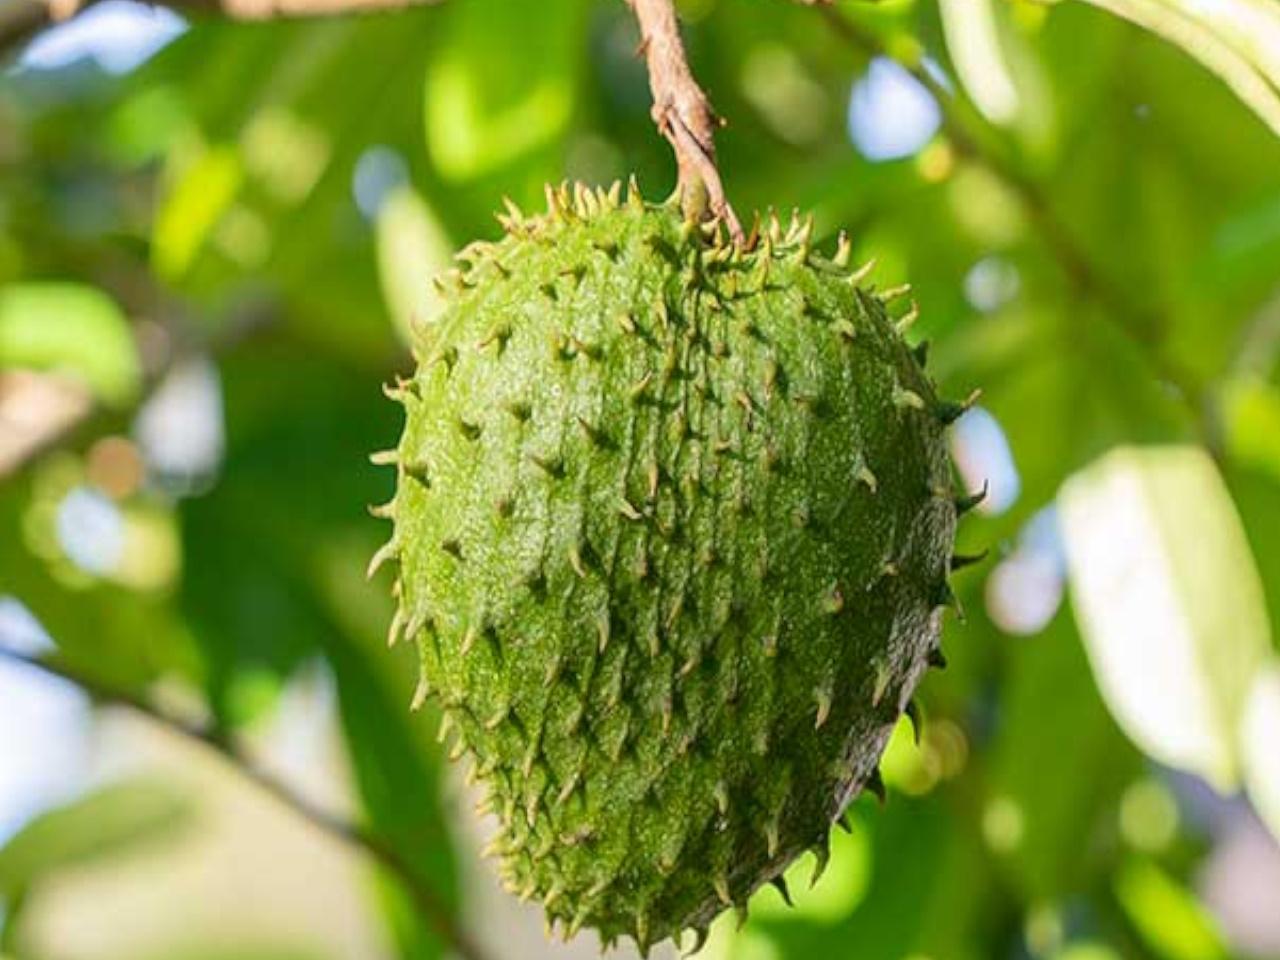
point(673, 521)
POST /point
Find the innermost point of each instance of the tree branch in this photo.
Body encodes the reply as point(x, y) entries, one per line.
point(1138, 323)
point(683, 114)
point(433, 909)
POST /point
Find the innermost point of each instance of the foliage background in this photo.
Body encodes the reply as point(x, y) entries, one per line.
point(210, 253)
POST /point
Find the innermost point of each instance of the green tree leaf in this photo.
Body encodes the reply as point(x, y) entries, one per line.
point(275, 575)
point(204, 184)
point(1167, 915)
point(1239, 40)
point(499, 86)
point(93, 828)
point(70, 328)
point(1053, 719)
point(1169, 602)
point(412, 248)
point(973, 41)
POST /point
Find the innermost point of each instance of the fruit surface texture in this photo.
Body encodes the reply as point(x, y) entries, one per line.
point(673, 524)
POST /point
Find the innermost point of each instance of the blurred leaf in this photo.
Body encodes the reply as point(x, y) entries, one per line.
point(238, 952)
point(276, 558)
point(974, 44)
point(1251, 422)
point(921, 867)
point(70, 328)
point(1086, 951)
point(1260, 745)
point(117, 635)
point(1169, 602)
point(412, 249)
point(299, 429)
point(1167, 916)
point(499, 85)
point(96, 827)
point(325, 94)
point(1052, 719)
point(203, 188)
point(397, 761)
point(145, 124)
point(1239, 40)
point(835, 895)
point(1257, 496)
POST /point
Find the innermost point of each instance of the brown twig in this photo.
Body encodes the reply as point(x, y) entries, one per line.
point(437, 914)
point(683, 114)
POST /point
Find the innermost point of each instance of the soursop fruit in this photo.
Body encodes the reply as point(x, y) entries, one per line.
point(673, 524)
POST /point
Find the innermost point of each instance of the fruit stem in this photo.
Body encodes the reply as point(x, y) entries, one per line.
point(683, 115)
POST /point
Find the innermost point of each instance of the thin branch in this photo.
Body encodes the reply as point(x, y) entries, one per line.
point(683, 113)
point(1137, 322)
point(354, 835)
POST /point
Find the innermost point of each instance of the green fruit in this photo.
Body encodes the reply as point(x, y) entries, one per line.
point(673, 522)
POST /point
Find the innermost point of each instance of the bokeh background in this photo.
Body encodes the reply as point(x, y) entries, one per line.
point(213, 239)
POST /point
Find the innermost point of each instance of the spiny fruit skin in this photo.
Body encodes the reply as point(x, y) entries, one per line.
point(673, 524)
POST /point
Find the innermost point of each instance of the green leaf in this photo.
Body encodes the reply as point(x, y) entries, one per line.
point(96, 827)
point(1239, 40)
point(836, 895)
point(117, 635)
point(973, 41)
point(1251, 422)
point(275, 574)
point(203, 188)
point(412, 248)
point(1169, 602)
point(1086, 951)
point(1167, 916)
point(918, 865)
point(1052, 719)
point(70, 328)
point(500, 85)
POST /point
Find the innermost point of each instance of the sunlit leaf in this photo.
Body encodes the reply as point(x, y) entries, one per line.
point(119, 636)
point(96, 827)
point(286, 153)
point(974, 44)
point(919, 865)
point(499, 86)
point(412, 248)
point(70, 328)
point(1167, 915)
point(1239, 40)
point(1251, 421)
point(469, 140)
point(835, 895)
point(1169, 602)
point(202, 191)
